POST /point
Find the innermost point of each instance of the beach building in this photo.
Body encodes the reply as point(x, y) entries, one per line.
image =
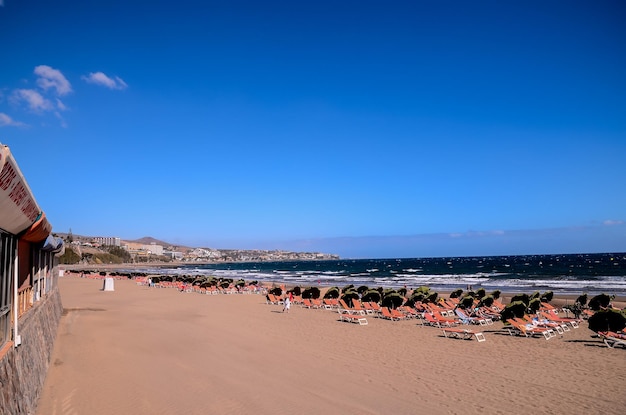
point(174, 255)
point(153, 249)
point(108, 241)
point(30, 303)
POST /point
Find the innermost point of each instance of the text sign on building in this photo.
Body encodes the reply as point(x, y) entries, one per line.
point(18, 209)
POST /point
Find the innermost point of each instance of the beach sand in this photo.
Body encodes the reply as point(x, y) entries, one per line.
point(144, 350)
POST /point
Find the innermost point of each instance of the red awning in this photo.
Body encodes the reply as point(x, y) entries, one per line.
point(38, 231)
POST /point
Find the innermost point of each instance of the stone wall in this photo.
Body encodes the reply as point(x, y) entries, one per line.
point(23, 369)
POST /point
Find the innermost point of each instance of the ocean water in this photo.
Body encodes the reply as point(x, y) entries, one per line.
point(564, 274)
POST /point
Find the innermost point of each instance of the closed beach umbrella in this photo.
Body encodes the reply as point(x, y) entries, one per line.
point(276, 291)
point(423, 289)
point(456, 293)
point(582, 300)
point(362, 289)
point(432, 297)
point(514, 309)
point(349, 295)
point(392, 300)
point(311, 292)
point(466, 302)
point(487, 301)
point(534, 305)
point(332, 292)
point(389, 291)
point(371, 295)
point(417, 297)
point(524, 298)
point(600, 301)
point(347, 287)
point(607, 320)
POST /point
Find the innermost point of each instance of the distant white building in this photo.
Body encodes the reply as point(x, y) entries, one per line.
point(108, 241)
point(175, 255)
point(153, 248)
point(203, 254)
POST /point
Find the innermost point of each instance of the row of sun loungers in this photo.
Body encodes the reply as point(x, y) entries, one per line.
point(359, 310)
point(521, 327)
point(450, 318)
point(547, 324)
point(190, 288)
point(554, 317)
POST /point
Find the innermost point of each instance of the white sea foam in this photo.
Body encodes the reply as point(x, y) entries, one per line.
point(345, 273)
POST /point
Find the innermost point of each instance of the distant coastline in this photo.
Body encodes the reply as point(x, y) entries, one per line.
point(98, 251)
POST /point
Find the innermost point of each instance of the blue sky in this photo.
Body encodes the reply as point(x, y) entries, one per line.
point(362, 128)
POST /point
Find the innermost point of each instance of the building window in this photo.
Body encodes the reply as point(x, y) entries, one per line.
point(8, 244)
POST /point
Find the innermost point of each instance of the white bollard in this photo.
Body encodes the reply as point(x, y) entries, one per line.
point(108, 284)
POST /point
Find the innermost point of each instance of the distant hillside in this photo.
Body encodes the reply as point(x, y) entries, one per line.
point(147, 240)
point(82, 251)
point(209, 254)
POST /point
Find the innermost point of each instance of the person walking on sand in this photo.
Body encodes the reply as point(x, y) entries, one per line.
point(287, 304)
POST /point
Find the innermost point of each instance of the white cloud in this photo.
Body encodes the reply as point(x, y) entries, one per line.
point(61, 105)
point(60, 118)
point(610, 222)
point(34, 99)
point(99, 78)
point(474, 234)
point(52, 78)
point(6, 121)
point(51, 83)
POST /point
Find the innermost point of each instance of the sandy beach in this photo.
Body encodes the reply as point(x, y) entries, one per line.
point(149, 350)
